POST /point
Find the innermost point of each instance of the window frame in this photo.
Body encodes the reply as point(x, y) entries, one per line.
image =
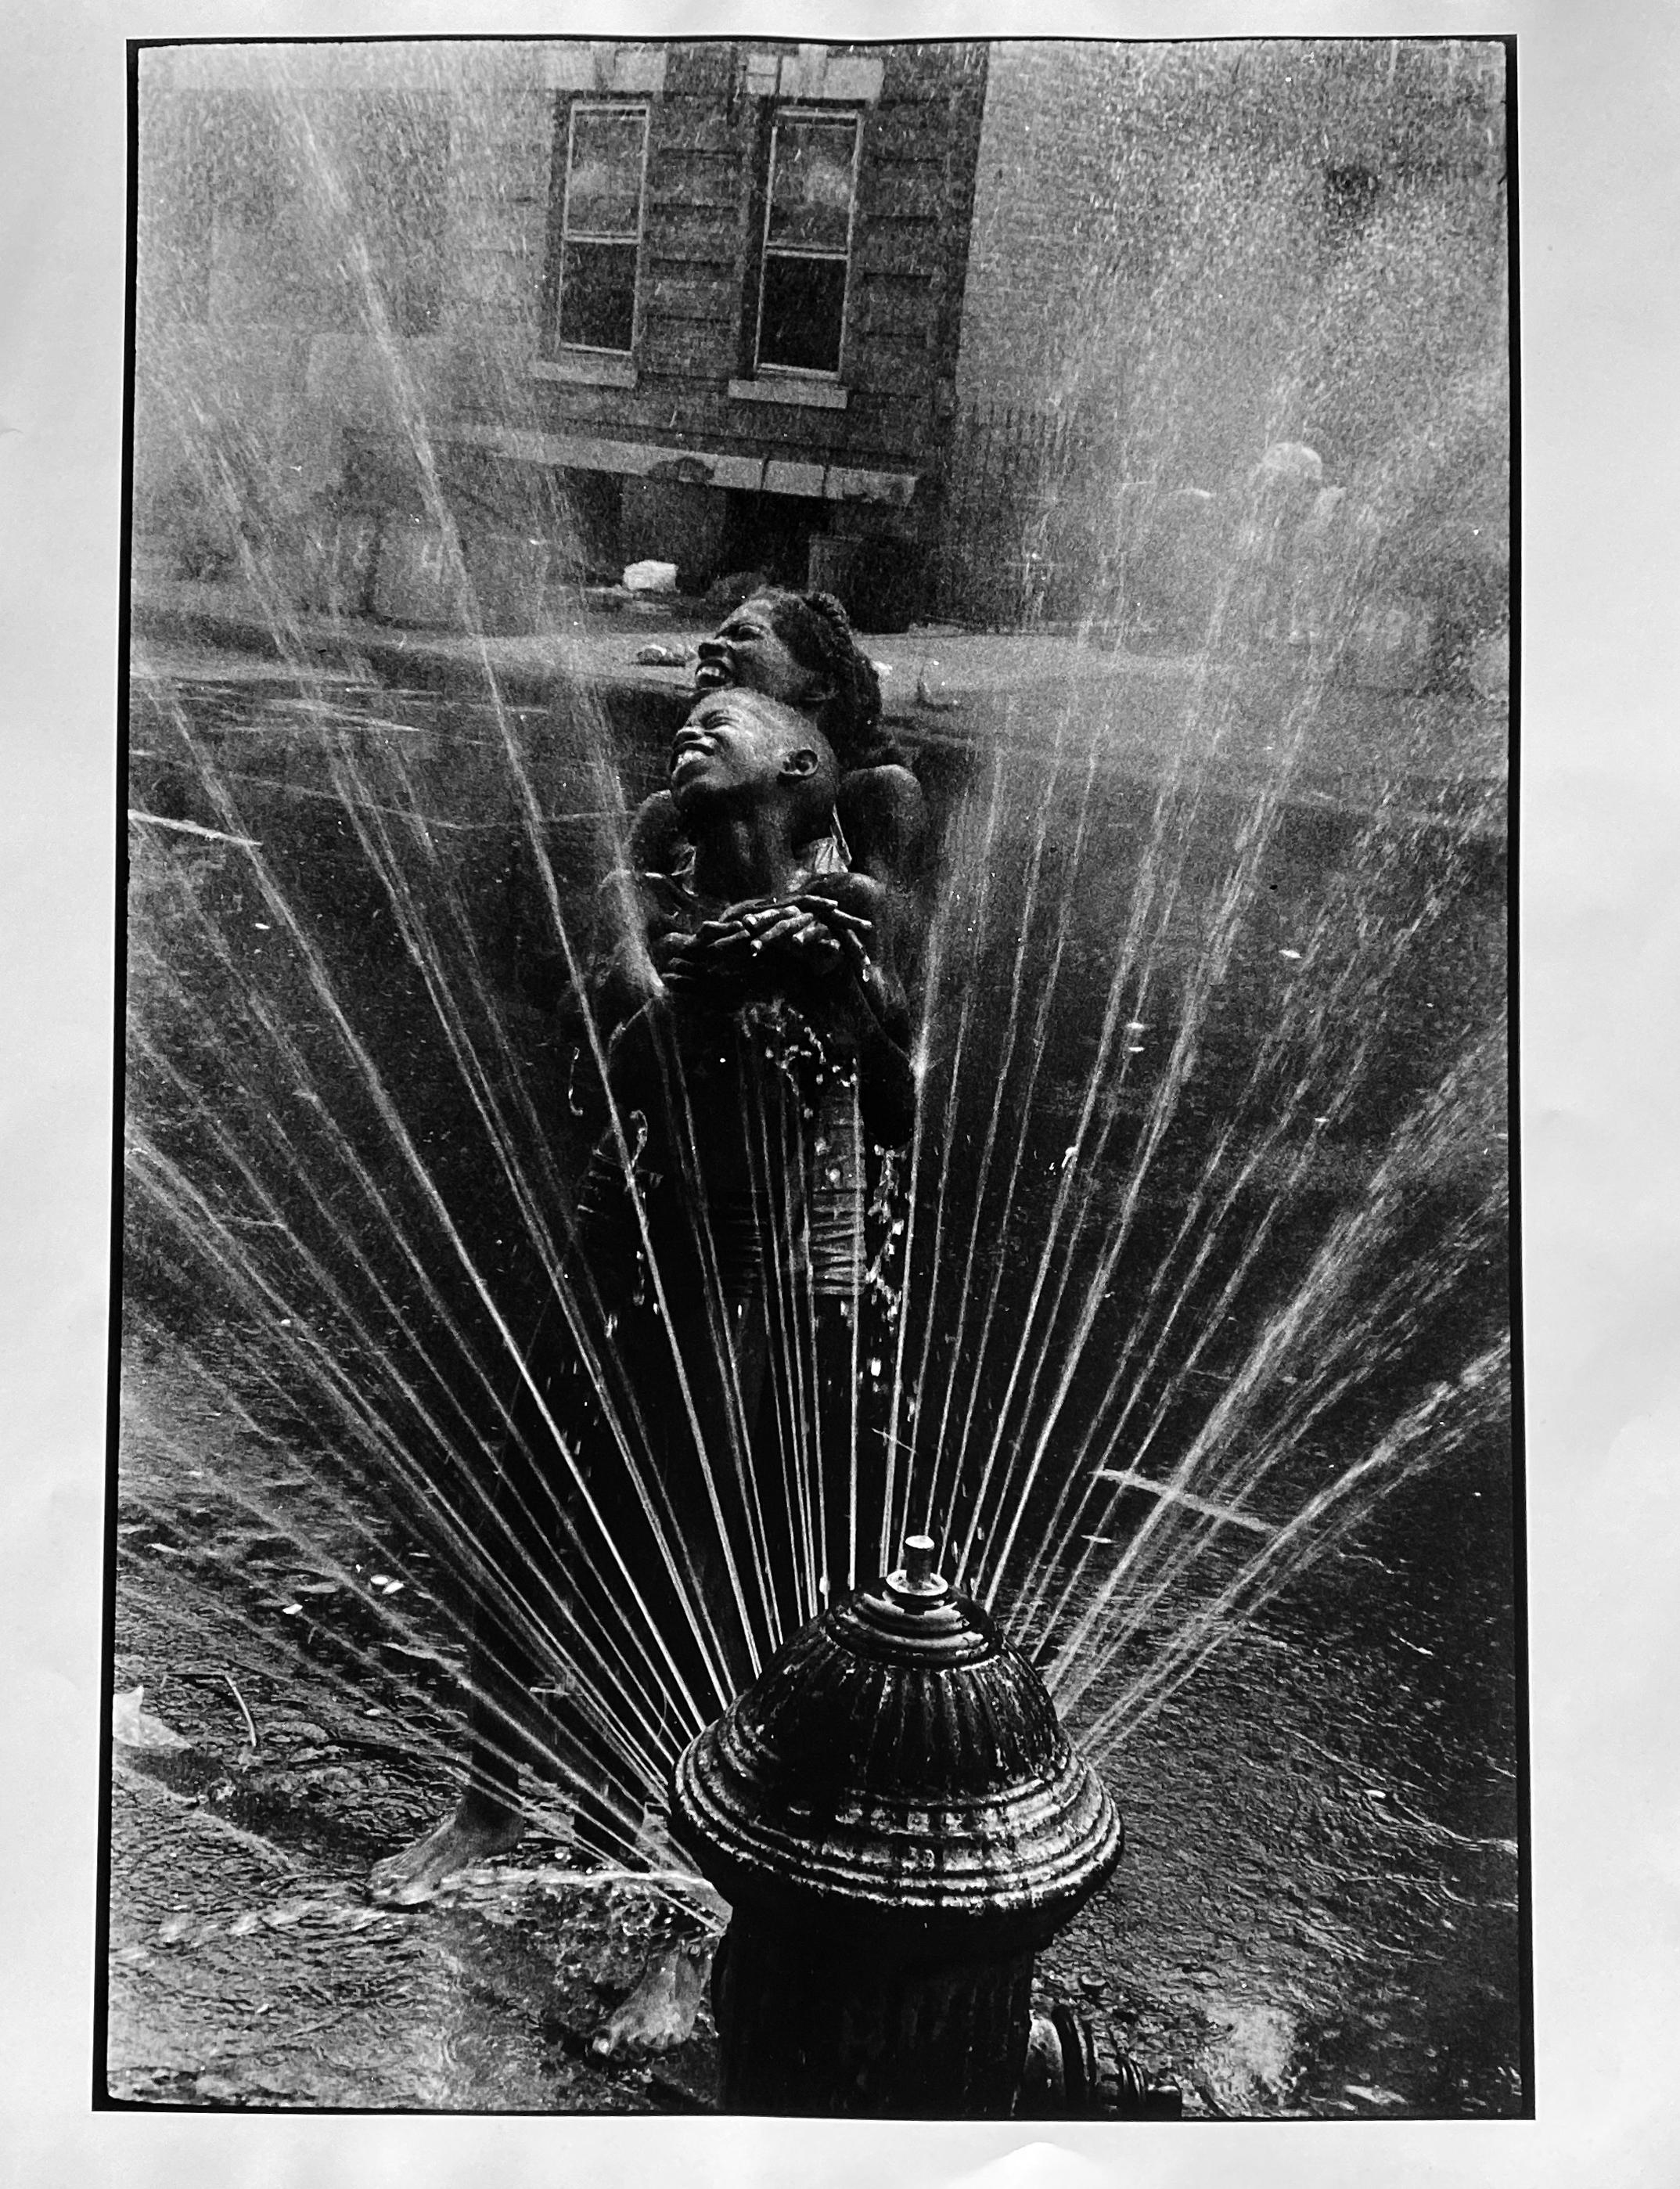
point(828, 117)
point(558, 348)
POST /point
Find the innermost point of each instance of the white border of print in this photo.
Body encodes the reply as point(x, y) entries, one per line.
point(1600, 233)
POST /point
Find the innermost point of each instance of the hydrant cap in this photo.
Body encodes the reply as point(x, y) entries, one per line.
point(898, 1763)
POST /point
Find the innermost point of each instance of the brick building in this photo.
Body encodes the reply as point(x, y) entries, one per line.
point(1183, 253)
point(1188, 157)
point(884, 315)
point(710, 293)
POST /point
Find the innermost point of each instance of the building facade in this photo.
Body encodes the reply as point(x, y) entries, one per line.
point(707, 295)
point(910, 320)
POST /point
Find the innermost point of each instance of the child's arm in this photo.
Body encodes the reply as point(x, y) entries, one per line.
point(629, 959)
point(865, 934)
point(884, 816)
point(886, 1085)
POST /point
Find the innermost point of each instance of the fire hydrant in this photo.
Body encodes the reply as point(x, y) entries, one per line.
point(899, 1824)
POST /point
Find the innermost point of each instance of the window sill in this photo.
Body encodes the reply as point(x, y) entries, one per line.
point(586, 372)
point(810, 394)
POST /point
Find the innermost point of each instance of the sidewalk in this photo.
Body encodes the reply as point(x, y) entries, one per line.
point(941, 687)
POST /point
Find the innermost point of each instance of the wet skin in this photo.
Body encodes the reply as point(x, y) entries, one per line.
point(739, 750)
point(743, 792)
point(745, 651)
point(748, 775)
point(478, 1829)
point(881, 809)
point(744, 785)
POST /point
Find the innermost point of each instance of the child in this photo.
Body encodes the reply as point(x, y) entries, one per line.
point(799, 648)
point(701, 1371)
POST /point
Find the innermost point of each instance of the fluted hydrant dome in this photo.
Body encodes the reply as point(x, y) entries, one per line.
point(899, 1766)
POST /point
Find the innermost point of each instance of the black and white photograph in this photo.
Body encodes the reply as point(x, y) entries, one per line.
point(836, 1441)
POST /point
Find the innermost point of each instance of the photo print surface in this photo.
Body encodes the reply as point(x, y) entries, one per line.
point(815, 1399)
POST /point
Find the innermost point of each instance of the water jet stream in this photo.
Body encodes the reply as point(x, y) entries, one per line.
point(1092, 1374)
point(178, 1199)
point(1325, 1006)
point(317, 974)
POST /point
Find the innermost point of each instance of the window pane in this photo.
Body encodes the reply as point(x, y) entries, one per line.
point(597, 295)
point(803, 302)
point(811, 190)
point(603, 193)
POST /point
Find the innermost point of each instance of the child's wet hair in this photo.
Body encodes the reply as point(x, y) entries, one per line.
point(817, 631)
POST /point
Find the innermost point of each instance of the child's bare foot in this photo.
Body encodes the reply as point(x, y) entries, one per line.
point(659, 2013)
point(470, 1832)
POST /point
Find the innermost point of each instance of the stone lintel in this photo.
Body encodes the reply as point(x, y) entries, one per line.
point(589, 452)
point(814, 72)
point(805, 394)
point(856, 78)
point(600, 65)
point(783, 478)
point(586, 372)
point(847, 483)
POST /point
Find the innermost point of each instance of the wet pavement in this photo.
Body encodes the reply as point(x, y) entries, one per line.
point(1317, 1912)
point(1316, 1915)
point(942, 682)
point(248, 1966)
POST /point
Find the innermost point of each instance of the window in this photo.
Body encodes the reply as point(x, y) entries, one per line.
point(807, 243)
point(601, 226)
